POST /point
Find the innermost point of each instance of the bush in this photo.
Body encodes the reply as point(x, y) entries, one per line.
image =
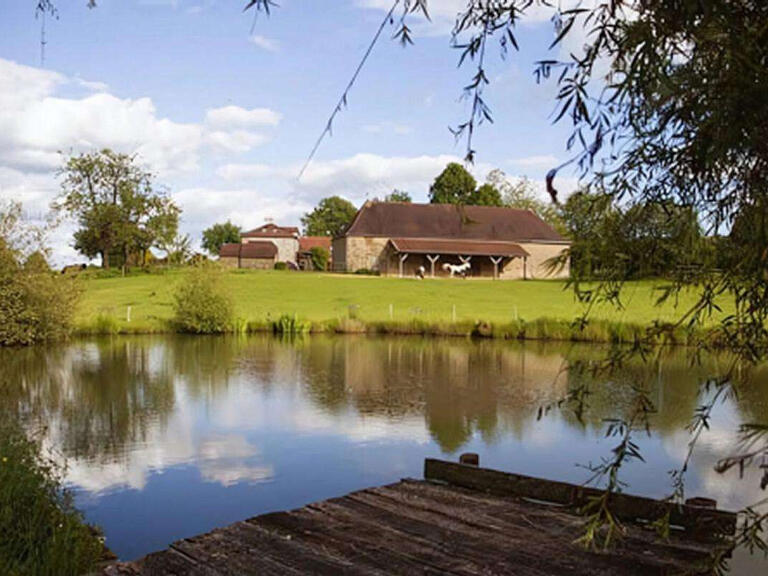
point(201, 304)
point(320, 257)
point(281, 266)
point(41, 533)
point(35, 304)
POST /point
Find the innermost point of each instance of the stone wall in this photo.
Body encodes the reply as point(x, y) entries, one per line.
point(249, 263)
point(362, 252)
point(538, 255)
point(287, 248)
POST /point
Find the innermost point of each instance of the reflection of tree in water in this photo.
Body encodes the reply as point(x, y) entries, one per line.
point(95, 397)
point(673, 384)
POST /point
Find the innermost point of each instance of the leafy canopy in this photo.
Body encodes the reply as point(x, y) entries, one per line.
point(118, 210)
point(218, 235)
point(455, 185)
point(331, 216)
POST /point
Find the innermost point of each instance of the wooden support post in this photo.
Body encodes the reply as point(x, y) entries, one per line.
point(432, 260)
point(470, 459)
point(496, 262)
point(525, 267)
point(465, 259)
point(403, 258)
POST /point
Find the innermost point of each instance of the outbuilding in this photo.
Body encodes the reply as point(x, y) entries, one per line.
point(253, 255)
point(400, 239)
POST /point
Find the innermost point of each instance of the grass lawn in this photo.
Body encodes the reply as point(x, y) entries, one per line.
point(260, 295)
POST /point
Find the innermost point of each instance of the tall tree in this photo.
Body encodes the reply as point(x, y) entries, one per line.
point(454, 185)
point(331, 216)
point(522, 194)
point(218, 235)
point(486, 195)
point(398, 196)
point(116, 205)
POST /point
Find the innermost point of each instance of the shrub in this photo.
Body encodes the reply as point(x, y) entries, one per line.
point(320, 257)
point(35, 304)
point(41, 533)
point(201, 305)
point(288, 324)
point(281, 266)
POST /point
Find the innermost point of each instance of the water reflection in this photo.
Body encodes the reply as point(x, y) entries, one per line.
point(170, 436)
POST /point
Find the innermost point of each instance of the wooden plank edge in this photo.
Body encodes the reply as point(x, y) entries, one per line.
point(699, 522)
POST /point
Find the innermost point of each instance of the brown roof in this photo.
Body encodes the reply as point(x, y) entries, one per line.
point(249, 250)
point(306, 243)
point(405, 220)
point(271, 231)
point(457, 247)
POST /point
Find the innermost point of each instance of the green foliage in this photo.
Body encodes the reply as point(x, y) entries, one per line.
point(218, 235)
point(454, 185)
point(41, 533)
point(331, 216)
point(116, 206)
point(35, 304)
point(290, 324)
point(486, 195)
point(281, 266)
point(320, 257)
point(641, 240)
point(201, 303)
point(521, 195)
point(398, 196)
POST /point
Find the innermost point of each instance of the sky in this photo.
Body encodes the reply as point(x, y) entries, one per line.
point(225, 108)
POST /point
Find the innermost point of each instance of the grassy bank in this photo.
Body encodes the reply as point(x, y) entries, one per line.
point(142, 303)
point(41, 533)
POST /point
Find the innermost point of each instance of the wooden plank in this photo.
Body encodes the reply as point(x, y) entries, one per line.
point(531, 538)
point(701, 522)
point(246, 549)
point(376, 550)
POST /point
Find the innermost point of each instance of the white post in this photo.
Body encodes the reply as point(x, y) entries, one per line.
point(496, 262)
point(465, 259)
point(391, 312)
point(128, 314)
point(403, 258)
point(432, 260)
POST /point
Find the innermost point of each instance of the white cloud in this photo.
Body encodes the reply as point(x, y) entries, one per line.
point(37, 125)
point(235, 172)
point(264, 43)
point(235, 117)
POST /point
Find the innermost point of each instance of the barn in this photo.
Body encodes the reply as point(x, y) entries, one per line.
point(396, 238)
point(253, 255)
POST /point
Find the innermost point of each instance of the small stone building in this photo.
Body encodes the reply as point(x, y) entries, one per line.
point(285, 239)
point(398, 238)
point(306, 244)
point(253, 255)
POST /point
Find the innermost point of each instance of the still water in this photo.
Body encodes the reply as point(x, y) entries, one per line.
point(166, 436)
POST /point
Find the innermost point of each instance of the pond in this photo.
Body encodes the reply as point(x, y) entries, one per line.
point(169, 436)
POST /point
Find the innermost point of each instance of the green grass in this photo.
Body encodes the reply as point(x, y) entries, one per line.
point(351, 302)
point(41, 533)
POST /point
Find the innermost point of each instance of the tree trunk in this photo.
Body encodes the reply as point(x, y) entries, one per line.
point(105, 259)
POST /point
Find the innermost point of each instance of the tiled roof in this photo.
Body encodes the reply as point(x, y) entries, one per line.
point(249, 250)
point(306, 243)
point(457, 247)
point(449, 221)
point(272, 231)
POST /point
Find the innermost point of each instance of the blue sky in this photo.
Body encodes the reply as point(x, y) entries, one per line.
point(225, 115)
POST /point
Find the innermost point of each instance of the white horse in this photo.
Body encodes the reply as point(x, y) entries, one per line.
point(460, 269)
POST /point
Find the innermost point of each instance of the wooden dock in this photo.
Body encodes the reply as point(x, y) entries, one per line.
point(460, 520)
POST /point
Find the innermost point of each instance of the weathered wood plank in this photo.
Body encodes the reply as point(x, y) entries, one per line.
point(701, 522)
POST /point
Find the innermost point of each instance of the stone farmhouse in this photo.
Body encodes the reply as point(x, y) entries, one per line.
point(263, 247)
point(398, 238)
